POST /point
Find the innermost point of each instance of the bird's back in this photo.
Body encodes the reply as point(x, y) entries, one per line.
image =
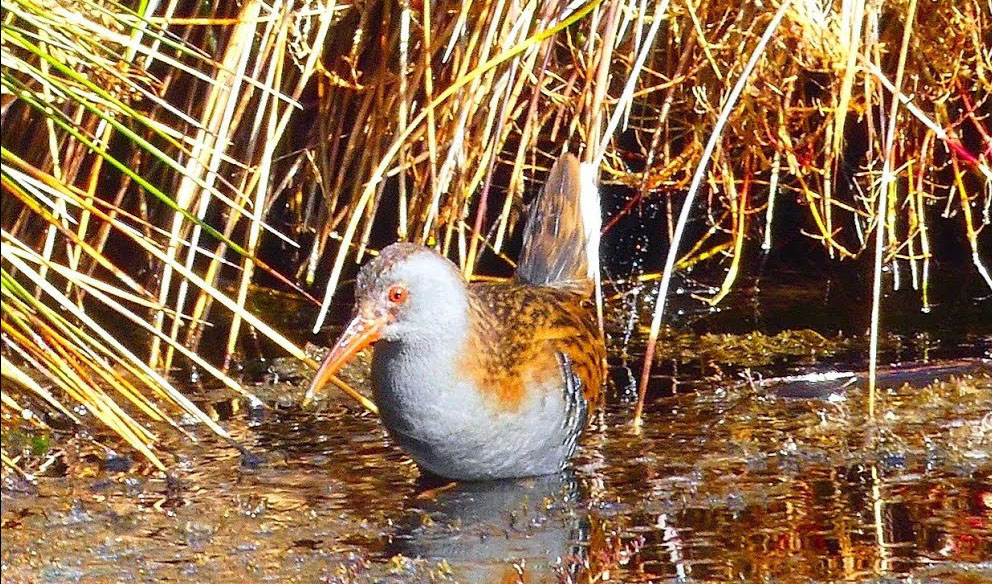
point(533, 336)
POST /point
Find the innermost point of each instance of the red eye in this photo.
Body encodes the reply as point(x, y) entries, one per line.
point(398, 294)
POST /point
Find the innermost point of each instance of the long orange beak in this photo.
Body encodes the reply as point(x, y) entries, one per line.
point(360, 333)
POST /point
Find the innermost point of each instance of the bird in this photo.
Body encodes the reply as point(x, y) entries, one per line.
point(487, 380)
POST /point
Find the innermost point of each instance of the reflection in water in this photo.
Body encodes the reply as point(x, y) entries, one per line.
point(725, 482)
point(496, 531)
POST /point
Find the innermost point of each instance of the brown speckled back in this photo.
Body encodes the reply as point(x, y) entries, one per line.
point(517, 333)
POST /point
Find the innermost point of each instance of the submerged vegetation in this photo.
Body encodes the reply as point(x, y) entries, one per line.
point(160, 159)
point(748, 350)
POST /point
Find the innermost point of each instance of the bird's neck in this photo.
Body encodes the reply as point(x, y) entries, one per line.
point(415, 378)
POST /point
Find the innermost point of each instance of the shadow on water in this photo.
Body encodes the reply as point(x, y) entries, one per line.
point(746, 469)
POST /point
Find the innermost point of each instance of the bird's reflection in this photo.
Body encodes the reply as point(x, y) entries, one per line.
point(497, 531)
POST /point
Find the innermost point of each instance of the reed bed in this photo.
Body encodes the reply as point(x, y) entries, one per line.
point(155, 154)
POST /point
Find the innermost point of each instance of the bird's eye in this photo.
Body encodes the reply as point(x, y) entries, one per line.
point(398, 294)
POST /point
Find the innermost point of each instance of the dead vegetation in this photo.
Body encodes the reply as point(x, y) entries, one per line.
point(149, 157)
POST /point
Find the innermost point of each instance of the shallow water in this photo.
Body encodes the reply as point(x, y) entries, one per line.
point(733, 477)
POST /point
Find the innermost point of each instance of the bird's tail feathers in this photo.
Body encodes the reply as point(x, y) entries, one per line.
point(561, 237)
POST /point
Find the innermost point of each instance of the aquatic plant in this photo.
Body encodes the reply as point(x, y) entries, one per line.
point(160, 158)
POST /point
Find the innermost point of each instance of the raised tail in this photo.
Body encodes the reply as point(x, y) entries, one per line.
point(561, 238)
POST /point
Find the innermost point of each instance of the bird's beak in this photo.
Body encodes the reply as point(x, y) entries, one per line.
point(360, 333)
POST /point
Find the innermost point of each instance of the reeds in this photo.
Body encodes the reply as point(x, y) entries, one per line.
point(150, 159)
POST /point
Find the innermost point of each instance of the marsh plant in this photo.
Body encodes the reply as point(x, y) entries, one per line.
point(159, 159)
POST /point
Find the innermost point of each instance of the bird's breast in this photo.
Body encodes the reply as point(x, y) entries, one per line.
point(418, 391)
point(507, 378)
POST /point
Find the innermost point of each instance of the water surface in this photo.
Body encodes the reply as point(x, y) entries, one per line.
point(732, 477)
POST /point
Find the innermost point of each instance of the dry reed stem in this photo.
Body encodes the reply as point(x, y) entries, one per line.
point(400, 139)
point(225, 93)
point(738, 211)
point(887, 180)
point(697, 179)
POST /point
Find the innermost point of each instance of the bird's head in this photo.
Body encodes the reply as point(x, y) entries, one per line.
point(409, 293)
